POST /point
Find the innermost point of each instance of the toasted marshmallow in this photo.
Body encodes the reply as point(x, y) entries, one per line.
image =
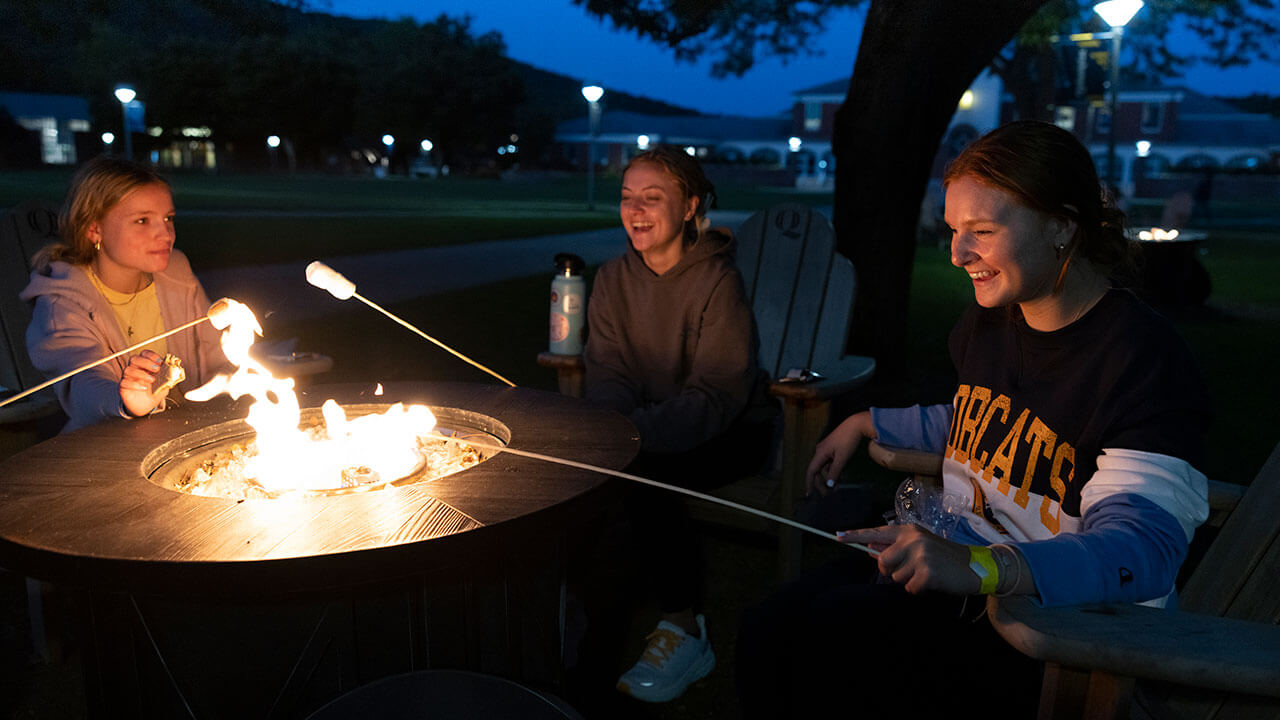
point(326, 278)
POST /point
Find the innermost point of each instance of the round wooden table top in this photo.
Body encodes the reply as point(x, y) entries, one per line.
point(78, 509)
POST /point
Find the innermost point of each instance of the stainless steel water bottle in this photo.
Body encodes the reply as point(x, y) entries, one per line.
point(568, 305)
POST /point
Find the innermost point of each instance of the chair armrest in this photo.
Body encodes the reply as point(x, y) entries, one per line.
point(1146, 643)
point(561, 362)
point(916, 462)
point(1223, 498)
point(571, 372)
point(839, 377)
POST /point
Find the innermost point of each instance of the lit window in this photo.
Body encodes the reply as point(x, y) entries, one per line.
point(812, 116)
point(1102, 121)
point(1152, 117)
point(1064, 116)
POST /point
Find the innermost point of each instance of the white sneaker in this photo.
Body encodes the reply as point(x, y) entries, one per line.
point(669, 664)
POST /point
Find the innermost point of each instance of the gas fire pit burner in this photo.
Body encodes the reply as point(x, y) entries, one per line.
point(100, 505)
point(211, 461)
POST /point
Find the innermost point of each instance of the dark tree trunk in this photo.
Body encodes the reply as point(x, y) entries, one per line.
point(914, 62)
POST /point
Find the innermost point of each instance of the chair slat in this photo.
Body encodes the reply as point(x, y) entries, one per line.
point(1245, 548)
point(833, 326)
point(24, 229)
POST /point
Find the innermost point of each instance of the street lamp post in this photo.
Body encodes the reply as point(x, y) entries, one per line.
point(125, 95)
point(1117, 14)
point(273, 142)
point(389, 141)
point(592, 93)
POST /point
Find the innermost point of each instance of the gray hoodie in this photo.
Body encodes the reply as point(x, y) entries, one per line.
point(72, 325)
point(676, 353)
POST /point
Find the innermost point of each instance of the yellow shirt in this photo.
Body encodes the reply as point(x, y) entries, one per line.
point(137, 314)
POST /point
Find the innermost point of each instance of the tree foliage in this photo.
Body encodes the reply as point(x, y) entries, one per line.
point(735, 33)
point(1233, 33)
point(252, 68)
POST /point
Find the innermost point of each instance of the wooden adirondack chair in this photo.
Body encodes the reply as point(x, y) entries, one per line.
point(23, 231)
point(801, 292)
point(1218, 656)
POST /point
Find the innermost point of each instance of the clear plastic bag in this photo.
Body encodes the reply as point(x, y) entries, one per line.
point(926, 505)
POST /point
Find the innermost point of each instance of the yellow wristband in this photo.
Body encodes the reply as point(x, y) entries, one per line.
point(984, 566)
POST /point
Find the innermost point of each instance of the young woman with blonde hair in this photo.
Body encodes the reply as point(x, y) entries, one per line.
point(114, 280)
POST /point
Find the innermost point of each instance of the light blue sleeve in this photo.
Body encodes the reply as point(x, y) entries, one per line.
point(916, 427)
point(1128, 550)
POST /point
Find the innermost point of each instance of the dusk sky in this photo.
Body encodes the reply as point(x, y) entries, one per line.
point(559, 36)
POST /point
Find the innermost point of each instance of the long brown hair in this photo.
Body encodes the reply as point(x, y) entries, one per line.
point(693, 182)
point(96, 188)
point(1047, 169)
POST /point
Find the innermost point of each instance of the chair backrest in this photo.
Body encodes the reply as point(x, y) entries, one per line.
point(24, 229)
point(1237, 578)
point(800, 289)
point(1240, 572)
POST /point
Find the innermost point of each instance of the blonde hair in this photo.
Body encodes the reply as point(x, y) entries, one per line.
point(96, 188)
point(693, 182)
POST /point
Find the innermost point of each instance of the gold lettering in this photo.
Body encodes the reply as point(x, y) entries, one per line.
point(961, 404)
point(1065, 454)
point(1003, 459)
point(978, 400)
point(1042, 440)
point(1000, 403)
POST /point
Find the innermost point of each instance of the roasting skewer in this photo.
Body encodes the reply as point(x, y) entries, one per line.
point(217, 315)
point(665, 486)
point(326, 278)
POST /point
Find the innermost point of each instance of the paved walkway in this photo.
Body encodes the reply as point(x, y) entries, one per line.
point(280, 291)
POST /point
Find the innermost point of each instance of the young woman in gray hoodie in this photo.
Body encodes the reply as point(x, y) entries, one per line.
point(672, 345)
point(113, 281)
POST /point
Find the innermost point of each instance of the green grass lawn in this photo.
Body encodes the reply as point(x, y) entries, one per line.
point(504, 325)
point(228, 221)
point(225, 221)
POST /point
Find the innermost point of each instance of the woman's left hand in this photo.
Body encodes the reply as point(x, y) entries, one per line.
point(139, 378)
point(919, 560)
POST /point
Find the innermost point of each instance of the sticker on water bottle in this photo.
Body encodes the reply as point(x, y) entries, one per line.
point(572, 303)
point(559, 327)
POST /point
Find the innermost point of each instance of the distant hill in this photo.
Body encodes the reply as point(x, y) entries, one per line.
point(1255, 103)
point(561, 96)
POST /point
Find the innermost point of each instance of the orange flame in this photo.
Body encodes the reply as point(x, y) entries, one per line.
point(287, 457)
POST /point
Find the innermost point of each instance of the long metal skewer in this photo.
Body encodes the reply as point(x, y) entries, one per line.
point(664, 486)
point(96, 363)
point(323, 276)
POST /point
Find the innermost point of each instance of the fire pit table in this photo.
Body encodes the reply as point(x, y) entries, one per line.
point(270, 607)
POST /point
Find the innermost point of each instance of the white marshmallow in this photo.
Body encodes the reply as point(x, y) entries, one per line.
point(220, 313)
point(326, 278)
